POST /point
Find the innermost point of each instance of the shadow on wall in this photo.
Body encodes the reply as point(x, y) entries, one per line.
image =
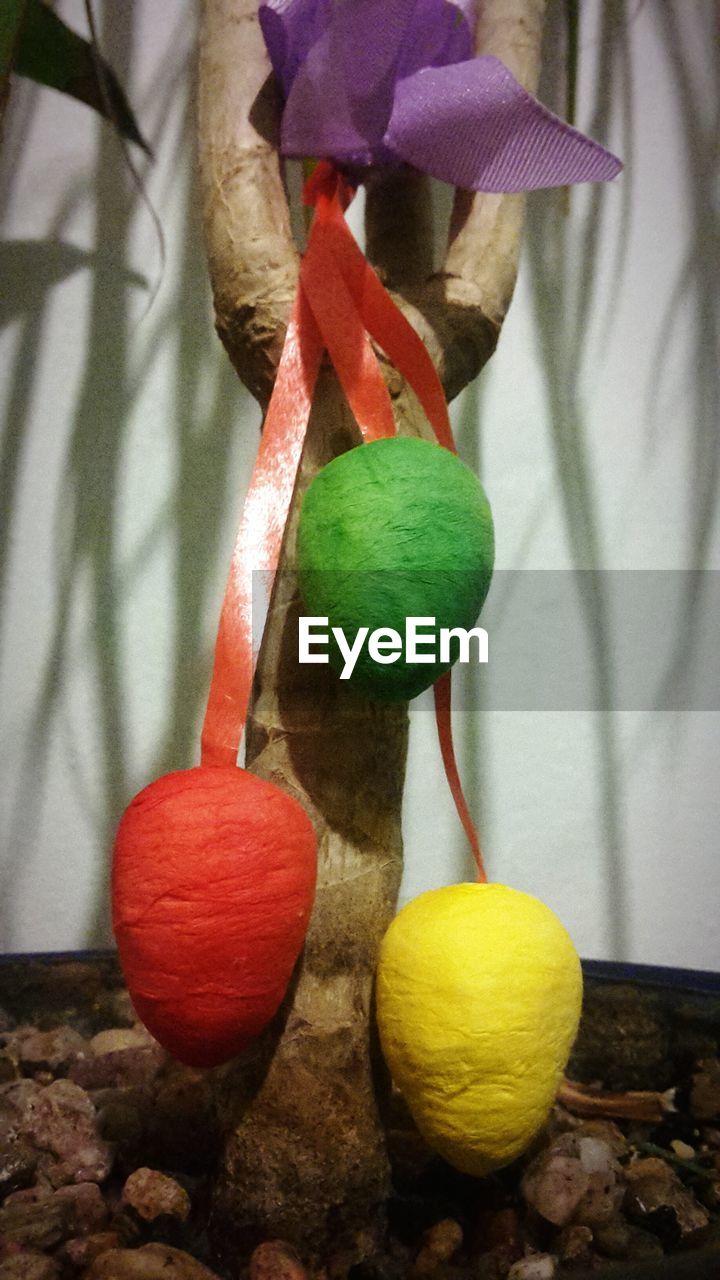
point(697, 292)
point(563, 306)
point(88, 548)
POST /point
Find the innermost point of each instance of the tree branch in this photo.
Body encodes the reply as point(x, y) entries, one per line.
point(253, 260)
point(485, 230)
point(478, 277)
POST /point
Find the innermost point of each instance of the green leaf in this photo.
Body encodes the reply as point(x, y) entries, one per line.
point(572, 19)
point(50, 53)
point(11, 17)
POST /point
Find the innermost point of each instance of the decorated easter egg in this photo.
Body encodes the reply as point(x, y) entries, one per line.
point(213, 882)
point(479, 991)
point(390, 531)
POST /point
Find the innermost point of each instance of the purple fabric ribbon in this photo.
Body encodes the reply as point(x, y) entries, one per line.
point(370, 82)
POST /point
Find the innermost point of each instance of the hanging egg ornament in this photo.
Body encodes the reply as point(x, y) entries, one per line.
point(392, 530)
point(479, 991)
point(213, 882)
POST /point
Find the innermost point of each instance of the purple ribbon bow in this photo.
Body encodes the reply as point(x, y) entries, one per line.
point(373, 82)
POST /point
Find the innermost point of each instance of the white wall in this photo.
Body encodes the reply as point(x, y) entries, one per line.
point(128, 442)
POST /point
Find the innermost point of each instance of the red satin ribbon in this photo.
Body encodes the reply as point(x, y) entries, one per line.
point(380, 316)
point(442, 693)
point(340, 304)
point(259, 538)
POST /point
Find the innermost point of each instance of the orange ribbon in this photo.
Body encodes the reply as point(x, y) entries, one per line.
point(340, 305)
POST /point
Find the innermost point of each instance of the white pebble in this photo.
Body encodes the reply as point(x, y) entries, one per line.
point(595, 1155)
point(539, 1266)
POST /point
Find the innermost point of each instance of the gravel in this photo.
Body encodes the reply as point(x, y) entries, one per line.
point(107, 1151)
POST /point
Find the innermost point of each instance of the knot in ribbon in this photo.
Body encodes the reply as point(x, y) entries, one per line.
point(327, 182)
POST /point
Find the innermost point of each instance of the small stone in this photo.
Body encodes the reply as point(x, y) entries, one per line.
point(683, 1149)
point(537, 1266)
point(40, 1226)
point(612, 1239)
point(121, 1116)
point(30, 1195)
point(18, 1162)
point(575, 1245)
point(49, 1052)
point(496, 1239)
point(606, 1182)
point(87, 1206)
point(123, 1010)
point(114, 1008)
point(595, 1155)
point(657, 1199)
point(136, 1064)
point(555, 1182)
point(649, 1167)
point(29, 1265)
point(118, 1039)
point(438, 1244)
point(151, 1262)
point(16, 1098)
point(80, 1251)
point(642, 1244)
point(276, 1260)
point(153, 1195)
point(9, 1068)
point(443, 1239)
point(60, 1122)
point(493, 1265)
point(607, 1132)
point(705, 1090)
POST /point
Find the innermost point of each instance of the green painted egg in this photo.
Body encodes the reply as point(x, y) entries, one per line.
point(390, 531)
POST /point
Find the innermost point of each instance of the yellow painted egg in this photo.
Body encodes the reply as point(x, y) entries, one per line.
point(479, 991)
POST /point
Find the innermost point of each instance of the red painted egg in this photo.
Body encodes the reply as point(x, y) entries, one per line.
point(213, 884)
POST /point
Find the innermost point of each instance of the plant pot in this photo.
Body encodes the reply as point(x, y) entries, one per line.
point(643, 1027)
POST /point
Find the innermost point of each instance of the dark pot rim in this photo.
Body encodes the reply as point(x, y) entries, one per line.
point(654, 975)
point(646, 975)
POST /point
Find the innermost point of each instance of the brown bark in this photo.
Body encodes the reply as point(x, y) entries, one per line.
point(305, 1156)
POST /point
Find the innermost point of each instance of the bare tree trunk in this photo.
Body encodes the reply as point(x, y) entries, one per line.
point(305, 1156)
